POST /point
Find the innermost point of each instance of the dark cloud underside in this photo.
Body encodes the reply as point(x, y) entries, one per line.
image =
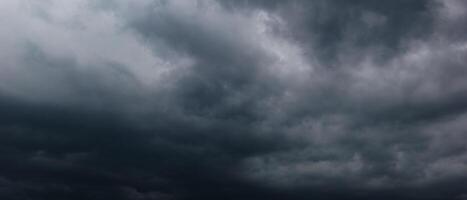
point(224, 99)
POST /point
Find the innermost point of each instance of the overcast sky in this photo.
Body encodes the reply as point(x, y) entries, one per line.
point(233, 99)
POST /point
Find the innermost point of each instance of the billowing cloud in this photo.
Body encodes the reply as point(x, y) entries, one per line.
point(223, 99)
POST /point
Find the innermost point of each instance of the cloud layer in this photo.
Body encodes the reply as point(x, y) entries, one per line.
point(223, 99)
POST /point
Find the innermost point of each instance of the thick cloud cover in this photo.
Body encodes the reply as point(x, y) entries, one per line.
point(233, 99)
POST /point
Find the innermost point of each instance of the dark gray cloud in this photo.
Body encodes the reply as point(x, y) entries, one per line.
point(221, 99)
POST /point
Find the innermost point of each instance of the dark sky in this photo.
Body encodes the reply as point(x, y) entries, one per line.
point(233, 100)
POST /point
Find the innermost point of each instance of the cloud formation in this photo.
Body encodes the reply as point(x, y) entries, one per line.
point(223, 99)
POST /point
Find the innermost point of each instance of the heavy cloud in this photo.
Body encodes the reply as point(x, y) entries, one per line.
point(224, 99)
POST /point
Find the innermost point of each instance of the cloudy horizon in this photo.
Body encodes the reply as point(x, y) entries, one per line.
point(233, 99)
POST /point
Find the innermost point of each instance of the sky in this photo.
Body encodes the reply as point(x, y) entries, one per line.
point(233, 99)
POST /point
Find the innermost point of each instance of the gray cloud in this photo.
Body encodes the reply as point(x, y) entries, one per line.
point(233, 99)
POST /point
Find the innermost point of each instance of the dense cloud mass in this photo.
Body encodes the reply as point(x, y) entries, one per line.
point(233, 99)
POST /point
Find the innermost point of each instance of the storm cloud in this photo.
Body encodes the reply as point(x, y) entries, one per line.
point(233, 99)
